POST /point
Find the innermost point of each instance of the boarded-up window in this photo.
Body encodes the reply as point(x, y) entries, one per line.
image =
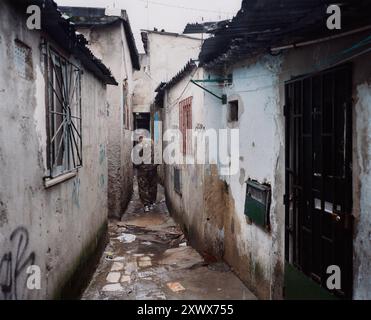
point(185, 124)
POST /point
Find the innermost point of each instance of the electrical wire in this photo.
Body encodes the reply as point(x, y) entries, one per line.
point(185, 8)
point(357, 45)
point(184, 90)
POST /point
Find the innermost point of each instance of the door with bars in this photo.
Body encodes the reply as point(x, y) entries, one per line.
point(318, 186)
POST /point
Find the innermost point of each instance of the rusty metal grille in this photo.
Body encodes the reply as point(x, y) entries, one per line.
point(63, 114)
point(318, 196)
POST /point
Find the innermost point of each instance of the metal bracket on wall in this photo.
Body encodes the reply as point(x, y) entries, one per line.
point(223, 98)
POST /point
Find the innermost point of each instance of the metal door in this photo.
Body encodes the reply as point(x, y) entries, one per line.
point(318, 196)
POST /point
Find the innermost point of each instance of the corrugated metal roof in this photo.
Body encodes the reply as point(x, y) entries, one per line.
point(62, 31)
point(87, 17)
point(262, 24)
point(205, 27)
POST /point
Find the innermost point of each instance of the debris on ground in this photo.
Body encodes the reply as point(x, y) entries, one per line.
point(175, 286)
point(109, 255)
point(152, 261)
point(126, 238)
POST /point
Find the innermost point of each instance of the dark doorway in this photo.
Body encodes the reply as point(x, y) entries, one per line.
point(142, 121)
point(318, 196)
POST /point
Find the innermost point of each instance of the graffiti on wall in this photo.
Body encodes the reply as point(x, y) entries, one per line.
point(14, 264)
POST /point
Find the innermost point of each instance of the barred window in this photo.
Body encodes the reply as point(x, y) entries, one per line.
point(64, 114)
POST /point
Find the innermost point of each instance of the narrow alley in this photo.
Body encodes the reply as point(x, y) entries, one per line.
point(147, 258)
point(157, 151)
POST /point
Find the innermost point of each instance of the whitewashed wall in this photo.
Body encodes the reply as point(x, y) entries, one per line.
point(109, 43)
point(60, 226)
point(167, 54)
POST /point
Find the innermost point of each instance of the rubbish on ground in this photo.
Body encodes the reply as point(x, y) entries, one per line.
point(109, 255)
point(147, 243)
point(182, 245)
point(175, 286)
point(126, 238)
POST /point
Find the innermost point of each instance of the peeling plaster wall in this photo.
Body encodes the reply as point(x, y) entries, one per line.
point(219, 225)
point(212, 206)
point(187, 208)
point(109, 44)
point(52, 228)
point(254, 253)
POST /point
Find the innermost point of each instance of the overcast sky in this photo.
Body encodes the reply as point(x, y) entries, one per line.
point(171, 15)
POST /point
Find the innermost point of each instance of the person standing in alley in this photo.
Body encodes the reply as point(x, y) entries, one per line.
point(147, 175)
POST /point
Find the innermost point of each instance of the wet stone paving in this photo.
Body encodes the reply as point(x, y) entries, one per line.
point(147, 258)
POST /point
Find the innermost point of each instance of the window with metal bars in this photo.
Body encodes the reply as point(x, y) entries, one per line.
point(64, 114)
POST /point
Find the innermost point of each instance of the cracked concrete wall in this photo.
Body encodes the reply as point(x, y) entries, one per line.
point(51, 228)
point(109, 43)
